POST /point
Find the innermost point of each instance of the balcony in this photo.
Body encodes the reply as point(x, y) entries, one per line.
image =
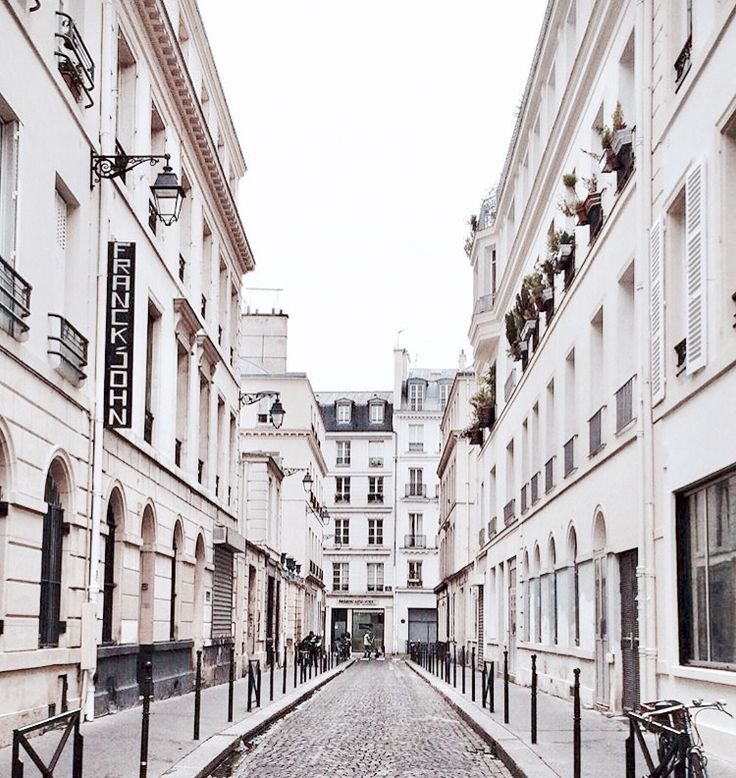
point(509, 513)
point(177, 452)
point(75, 62)
point(415, 541)
point(342, 462)
point(549, 475)
point(683, 62)
point(15, 301)
point(375, 587)
point(569, 456)
point(416, 446)
point(148, 426)
point(481, 537)
point(315, 571)
point(67, 348)
point(375, 462)
point(200, 470)
point(484, 303)
point(625, 404)
point(535, 487)
point(595, 433)
point(492, 527)
point(418, 491)
point(414, 583)
point(509, 385)
point(375, 497)
point(342, 496)
point(524, 499)
point(182, 268)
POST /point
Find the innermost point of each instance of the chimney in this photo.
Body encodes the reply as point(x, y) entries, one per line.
point(401, 373)
point(462, 360)
point(263, 340)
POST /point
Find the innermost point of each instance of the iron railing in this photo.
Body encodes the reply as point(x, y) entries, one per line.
point(509, 384)
point(509, 512)
point(683, 62)
point(569, 452)
point(492, 527)
point(375, 497)
point(375, 462)
point(484, 303)
point(416, 446)
point(549, 475)
point(69, 345)
point(414, 582)
point(416, 490)
point(415, 541)
point(342, 496)
point(482, 536)
point(148, 426)
point(524, 499)
point(625, 404)
point(535, 487)
point(177, 452)
point(15, 300)
point(75, 62)
point(595, 432)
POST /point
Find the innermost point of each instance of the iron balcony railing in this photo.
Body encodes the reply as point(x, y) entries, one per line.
point(487, 214)
point(414, 583)
point(595, 432)
point(416, 490)
point(342, 496)
point(200, 470)
point(415, 541)
point(148, 426)
point(416, 446)
point(509, 384)
point(625, 404)
point(482, 536)
point(484, 303)
point(75, 62)
point(509, 512)
point(535, 487)
point(683, 62)
point(569, 452)
point(492, 527)
point(315, 570)
point(15, 301)
point(524, 499)
point(177, 452)
point(342, 462)
point(375, 496)
point(69, 346)
point(549, 475)
point(375, 462)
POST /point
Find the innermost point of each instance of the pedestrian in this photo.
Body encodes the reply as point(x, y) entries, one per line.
point(367, 644)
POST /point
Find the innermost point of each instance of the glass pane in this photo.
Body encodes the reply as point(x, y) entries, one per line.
point(696, 515)
point(722, 570)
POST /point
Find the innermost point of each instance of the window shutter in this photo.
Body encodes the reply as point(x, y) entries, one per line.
point(61, 219)
point(695, 260)
point(656, 311)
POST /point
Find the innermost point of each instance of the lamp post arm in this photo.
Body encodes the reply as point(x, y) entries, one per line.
point(116, 165)
point(249, 398)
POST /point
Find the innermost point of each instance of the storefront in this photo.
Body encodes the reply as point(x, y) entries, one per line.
point(358, 616)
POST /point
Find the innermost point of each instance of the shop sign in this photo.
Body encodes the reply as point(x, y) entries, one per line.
point(119, 334)
point(357, 602)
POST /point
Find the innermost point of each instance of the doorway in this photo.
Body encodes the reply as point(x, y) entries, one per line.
point(512, 613)
point(600, 571)
point(367, 621)
point(629, 588)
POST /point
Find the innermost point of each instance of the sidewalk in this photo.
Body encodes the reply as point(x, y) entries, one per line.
point(603, 737)
point(112, 743)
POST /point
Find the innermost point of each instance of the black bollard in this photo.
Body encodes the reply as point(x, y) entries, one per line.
point(492, 689)
point(231, 684)
point(462, 665)
point(283, 685)
point(296, 667)
point(483, 685)
point(576, 724)
point(472, 674)
point(631, 752)
point(258, 680)
point(505, 687)
point(147, 689)
point(270, 678)
point(534, 699)
point(454, 667)
point(197, 694)
point(310, 662)
point(250, 686)
point(448, 665)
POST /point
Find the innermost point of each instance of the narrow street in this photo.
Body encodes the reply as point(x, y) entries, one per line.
point(376, 719)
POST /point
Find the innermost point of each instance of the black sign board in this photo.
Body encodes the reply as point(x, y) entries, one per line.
point(119, 334)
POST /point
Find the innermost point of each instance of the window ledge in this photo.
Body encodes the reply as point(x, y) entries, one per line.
point(706, 674)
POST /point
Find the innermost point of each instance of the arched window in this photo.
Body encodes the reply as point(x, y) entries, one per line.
point(177, 546)
point(199, 561)
point(108, 584)
point(49, 623)
point(575, 586)
point(537, 596)
point(148, 577)
point(554, 596)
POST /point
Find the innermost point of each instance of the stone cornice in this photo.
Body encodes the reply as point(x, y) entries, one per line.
point(165, 46)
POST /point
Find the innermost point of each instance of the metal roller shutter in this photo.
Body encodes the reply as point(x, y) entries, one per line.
point(222, 593)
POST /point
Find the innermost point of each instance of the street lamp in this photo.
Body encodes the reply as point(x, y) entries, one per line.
point(277, 412)
point(307, 482)
point(167, 193)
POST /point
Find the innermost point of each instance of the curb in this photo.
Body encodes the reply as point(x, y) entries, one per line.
point(517, 756)
point(205, 757)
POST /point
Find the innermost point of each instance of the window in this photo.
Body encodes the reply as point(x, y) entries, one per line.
point(415, 574)
point(416, 437)
point(343, 413)
point(206, 269)
point(444, 394)
point(375, 576)
point(416, 396)
point(108, 585)
point(376, 412)
point(375, 488)
point(342, 532)
point(375, 458)
point(340, 576)
point(49, 625)
point(375, 532)
point(151, 361)
point(342, 489)
point(343, 453)
point(415, 487)
point(9, 134)
point(706, 550)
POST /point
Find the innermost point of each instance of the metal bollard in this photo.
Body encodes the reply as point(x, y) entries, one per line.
point(454, 666)
point(310, 662)
point(231, 684)
point(283, 685)
point(448, 665)
point(483, 685)
point(197, 694)
point(270, 679)
point(576, 724)
point(492, 689)
point(631, 752)
point(258, 687)
point(250, 686)
point(296, 667)
point(472, 674)
point(505, 687)
point(462, 665)
point(534, 699)
point(147, 688)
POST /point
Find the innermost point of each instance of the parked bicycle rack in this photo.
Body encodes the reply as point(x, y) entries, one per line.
point(70, 720)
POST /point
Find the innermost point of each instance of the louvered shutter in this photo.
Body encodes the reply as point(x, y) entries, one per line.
point(9, 159)
point(695, 264)
point(222, 593)
point(656, 310)
point(61, 220)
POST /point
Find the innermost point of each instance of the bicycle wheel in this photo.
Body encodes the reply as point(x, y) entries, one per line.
point(696, 763)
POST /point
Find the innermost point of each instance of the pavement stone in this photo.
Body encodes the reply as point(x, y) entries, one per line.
point(378, 719)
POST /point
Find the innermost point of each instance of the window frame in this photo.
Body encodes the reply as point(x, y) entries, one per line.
point(375, 532)
point(373, 569)
point(379, 408)
point(343, 408)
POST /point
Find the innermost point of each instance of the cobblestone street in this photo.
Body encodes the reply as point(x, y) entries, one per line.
point(377, 719)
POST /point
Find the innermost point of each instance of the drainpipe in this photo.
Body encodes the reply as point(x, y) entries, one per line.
point(106, 147)
point(396, 521)
point(645, 571)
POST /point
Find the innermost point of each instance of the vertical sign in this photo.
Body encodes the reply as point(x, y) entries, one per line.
point(119, 334)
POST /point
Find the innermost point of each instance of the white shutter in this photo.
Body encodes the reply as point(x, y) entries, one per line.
point(9, 145)
point(695, 267)
point(61, 220)
point(656, 311)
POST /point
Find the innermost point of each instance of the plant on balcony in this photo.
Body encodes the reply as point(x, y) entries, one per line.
point(534, 283)
point(613, 140)
point(514, 323)
point(525, 305)
point(474, 433)
point(473, 224)
point(484, 405)
point(569, 181)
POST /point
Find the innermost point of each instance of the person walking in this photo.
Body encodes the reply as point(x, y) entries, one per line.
point(367, 644)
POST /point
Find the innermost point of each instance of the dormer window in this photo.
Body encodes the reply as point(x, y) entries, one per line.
point(416, 396)
point(376, 412)
point(343, 412)
point(444, 394)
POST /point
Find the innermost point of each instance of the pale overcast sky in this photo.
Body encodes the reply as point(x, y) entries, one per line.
point(371, 132)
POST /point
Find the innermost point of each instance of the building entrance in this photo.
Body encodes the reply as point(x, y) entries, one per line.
point(368, 621)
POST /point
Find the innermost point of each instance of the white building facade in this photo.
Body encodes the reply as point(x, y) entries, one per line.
point(601, 493)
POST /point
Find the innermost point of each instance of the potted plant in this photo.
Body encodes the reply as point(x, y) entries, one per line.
point(484, 405)
point(567, 246)
point(534, 283)
point(620, 134)
point(475, 434)
point(513, 325)
point(608, 161)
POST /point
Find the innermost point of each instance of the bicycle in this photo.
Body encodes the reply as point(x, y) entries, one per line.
point(679, 745)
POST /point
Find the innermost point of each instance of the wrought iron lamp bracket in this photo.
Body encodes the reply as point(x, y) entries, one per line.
point(249, 398)
point(116, 165)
